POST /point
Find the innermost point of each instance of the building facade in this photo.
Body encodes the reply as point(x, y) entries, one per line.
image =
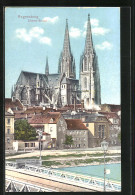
point(9, 130)
point(115, 128)
point(79, 133)
point(54, 124)
point(99, 129)
point(63, 88)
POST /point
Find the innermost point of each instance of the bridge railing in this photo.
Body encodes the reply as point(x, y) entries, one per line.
point(78, 178)
point(13, 185)
point(81, 180)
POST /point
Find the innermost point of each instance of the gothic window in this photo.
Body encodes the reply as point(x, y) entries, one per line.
point(85, 82)
point(32, 95)
point(101, 131)
point(24, 94)
point(85, 64)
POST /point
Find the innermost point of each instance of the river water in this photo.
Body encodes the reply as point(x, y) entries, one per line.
point(97, 171)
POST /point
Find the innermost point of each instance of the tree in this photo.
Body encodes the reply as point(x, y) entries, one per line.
point(68, 140)
point(23, 131)
point(119, 136)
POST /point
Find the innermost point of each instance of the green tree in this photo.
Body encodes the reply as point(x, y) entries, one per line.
point(23, 131)
point(68, 140)
point(119, 136)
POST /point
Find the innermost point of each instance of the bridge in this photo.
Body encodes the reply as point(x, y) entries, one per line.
point(33, 178)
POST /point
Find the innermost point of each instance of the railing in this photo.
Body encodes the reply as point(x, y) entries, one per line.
point(70, 178)
point(13, 185)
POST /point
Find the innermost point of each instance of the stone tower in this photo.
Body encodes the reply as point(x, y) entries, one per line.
point(89, 72)
point(66, 60)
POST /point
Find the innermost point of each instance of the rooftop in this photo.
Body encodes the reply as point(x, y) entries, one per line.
point(14, 105)
point(110, 114)
point(75, 124)
point(49, 118)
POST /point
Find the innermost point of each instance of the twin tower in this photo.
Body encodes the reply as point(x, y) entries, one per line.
point(89, 89)
point(63, 88)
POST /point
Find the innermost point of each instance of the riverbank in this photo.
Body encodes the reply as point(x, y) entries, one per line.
point(59, 159)
point(88, 151)
point(84, 165)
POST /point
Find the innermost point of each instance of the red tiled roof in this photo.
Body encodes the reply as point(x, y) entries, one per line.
point(37, 109)
point(109, 114)
point(113, 107)
point(71, 106)
point(75, 124)
point(20, 116)
point(46, 118)
point(44, 133)
point(13, 104)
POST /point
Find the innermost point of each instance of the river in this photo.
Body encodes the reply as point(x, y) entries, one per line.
point(97, 171)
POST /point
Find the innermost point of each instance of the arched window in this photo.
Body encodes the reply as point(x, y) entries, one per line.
point(24, 94)
point(85, 82)
point(85, 64)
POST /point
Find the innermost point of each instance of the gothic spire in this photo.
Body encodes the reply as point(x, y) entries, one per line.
point(47, 67)
point(88, 41)
point(66, 46)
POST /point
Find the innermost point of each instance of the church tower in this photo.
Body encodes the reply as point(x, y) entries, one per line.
point(66, 60)
point(89, 72)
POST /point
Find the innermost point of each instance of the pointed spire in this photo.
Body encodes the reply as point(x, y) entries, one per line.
point(47, 67)
point(88, 41)
point(66, 46)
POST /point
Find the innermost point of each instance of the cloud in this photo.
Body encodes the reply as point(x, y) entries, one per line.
point(23, 35)
point(33, 33)
point(93, 21)
point(36, 32)
point(45, 40)
point(96, 29)
point(84, 34)
point(75, 32)
point(104, 45)
point(51, 20)
point(100, 31)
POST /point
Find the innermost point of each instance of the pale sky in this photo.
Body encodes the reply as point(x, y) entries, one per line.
point(29, 40)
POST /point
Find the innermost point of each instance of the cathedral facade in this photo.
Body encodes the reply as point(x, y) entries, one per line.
point(63, 88)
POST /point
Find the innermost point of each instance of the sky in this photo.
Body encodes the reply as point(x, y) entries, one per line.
point(33, 33)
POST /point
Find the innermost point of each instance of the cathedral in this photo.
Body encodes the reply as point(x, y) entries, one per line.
point(62, 88)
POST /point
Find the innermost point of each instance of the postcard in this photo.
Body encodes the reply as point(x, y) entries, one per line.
point(62, 99)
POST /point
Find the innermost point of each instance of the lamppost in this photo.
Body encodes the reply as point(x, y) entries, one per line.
point(40, 135)
point(104, 146)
